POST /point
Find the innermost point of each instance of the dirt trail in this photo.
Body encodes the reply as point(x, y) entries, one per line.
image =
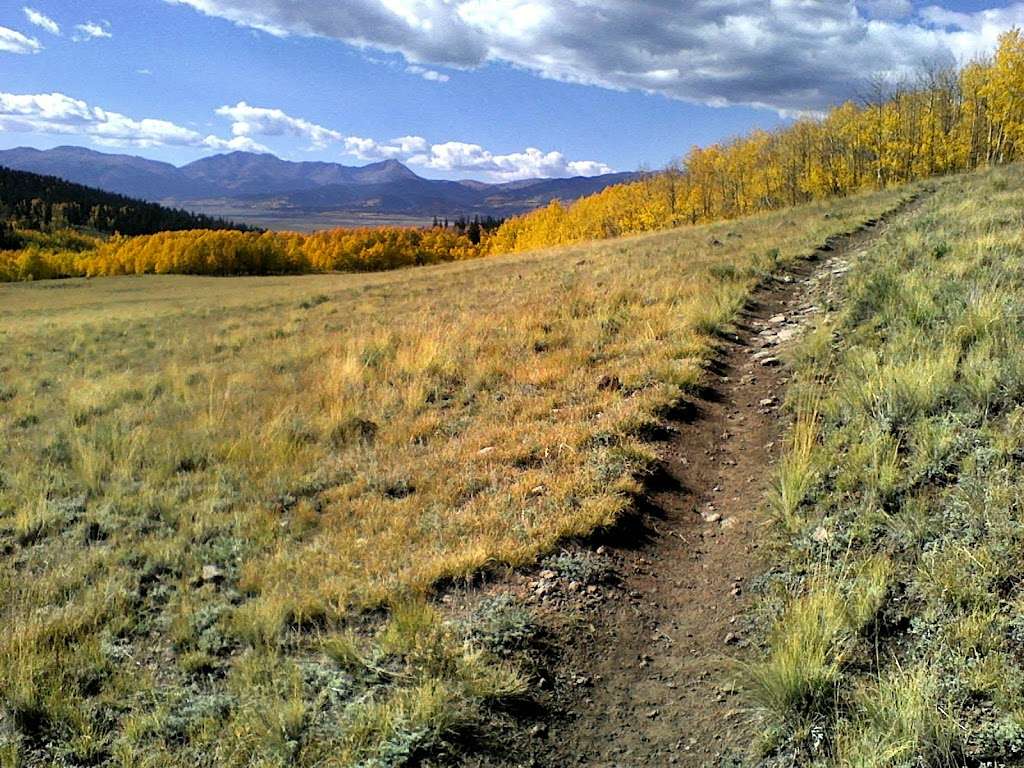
point(648, 682)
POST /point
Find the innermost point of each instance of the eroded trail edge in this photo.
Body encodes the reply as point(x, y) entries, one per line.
point(647, 679)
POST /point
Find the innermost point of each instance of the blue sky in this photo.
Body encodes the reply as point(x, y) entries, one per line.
point(469, 85)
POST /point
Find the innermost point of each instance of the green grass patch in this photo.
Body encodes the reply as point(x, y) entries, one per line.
point(898, 640)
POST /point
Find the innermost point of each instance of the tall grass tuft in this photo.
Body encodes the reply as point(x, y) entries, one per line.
point(898, 722)
point(808, 648)
point(796, 471)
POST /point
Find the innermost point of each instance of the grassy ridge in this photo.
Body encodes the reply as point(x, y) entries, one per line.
point(212, 481)
point(899, 640)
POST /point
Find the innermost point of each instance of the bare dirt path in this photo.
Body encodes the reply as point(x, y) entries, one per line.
point(649, 681)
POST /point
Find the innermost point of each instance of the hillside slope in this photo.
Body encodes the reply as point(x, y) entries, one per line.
point(32, 201)
point(662, 666)
point(898, 635)
point(235, 526)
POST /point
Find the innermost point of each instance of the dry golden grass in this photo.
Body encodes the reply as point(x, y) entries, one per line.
point(330, 444)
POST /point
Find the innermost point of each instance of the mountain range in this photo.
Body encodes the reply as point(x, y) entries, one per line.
point(246, 185)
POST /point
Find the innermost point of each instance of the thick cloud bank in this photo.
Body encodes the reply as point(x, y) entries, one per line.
point(789, 55)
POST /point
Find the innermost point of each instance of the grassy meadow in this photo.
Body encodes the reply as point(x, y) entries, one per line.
point(224, 502)
point(900, 631)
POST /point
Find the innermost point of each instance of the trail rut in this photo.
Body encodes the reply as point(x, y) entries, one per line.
point(648, 682)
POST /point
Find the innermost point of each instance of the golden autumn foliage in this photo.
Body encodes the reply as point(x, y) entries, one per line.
point(228, 252)
point(950, 121)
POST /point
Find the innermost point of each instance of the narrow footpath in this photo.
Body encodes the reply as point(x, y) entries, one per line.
point(654, 672)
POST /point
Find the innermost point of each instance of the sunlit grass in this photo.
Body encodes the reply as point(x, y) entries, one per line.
point(913, 524)
point(796, 469)
point(214, 492)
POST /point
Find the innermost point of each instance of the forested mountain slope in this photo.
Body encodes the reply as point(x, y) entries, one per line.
point(32, 201)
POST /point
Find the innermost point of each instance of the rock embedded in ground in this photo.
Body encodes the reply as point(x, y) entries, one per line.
point(787, 334)
point(212, 574)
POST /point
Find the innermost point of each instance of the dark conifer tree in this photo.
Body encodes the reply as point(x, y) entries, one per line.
point(31, 201)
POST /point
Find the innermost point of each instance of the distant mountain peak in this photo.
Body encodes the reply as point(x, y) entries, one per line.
point(262, 181)
point(64, 149)
point(388, 170)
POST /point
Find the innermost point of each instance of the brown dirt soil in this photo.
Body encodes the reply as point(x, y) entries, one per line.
point(644, 673)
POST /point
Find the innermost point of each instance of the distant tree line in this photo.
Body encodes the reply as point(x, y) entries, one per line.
point(474, 229)
point(46, 203)
point(226, 252)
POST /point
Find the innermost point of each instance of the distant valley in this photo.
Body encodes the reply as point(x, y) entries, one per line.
point(264, 190)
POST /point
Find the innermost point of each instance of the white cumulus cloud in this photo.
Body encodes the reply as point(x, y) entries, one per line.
point(260, 121)
point(427, 74)
point(12, 41)
point(410, 145)
point(788, 55)
point(528, 164)
point(60, 114)
point(92, 30)
point(403, 147)
point(57, 113)
point(249, 121)
point(41, 20)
